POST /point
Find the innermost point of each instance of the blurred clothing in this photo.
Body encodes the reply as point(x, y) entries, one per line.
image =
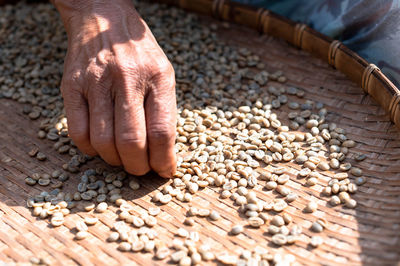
point(370, 27)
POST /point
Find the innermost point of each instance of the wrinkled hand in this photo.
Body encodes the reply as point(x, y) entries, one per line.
point(118, 87)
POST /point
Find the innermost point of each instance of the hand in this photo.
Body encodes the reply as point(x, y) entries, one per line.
point(118, 87)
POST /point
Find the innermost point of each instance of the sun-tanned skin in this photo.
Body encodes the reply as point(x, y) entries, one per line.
point(118, 87)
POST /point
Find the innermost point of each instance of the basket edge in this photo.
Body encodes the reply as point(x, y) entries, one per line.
point(356, 68)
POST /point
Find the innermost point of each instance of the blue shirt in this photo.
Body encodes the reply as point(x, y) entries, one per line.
point(369, 27)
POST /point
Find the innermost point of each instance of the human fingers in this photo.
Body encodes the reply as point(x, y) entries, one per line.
point(77, 113)
point(102, 123)
point(161, 124)
point(130, 129)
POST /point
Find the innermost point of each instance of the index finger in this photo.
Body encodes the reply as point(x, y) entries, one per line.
point(160, 109)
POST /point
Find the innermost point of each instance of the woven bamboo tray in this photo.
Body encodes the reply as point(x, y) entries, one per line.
point(368, 235)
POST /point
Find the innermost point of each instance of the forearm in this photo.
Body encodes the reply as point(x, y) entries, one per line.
point(90, 9)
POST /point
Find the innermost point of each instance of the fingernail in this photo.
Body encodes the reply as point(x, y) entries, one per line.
point(165, 174)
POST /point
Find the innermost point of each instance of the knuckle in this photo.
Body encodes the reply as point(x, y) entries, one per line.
point(129, 72)
point(126, 64)
point(95, 72)
point(71, 81)
point(97, 69)
point(161, 134)
point(103, 57)
point(73, 102)
point(130, 143)
point(165, 68)
point(76, 76)
point(164, 74)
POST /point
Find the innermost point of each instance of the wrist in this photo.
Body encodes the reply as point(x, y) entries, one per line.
point(77, 13)
point(69, 8)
